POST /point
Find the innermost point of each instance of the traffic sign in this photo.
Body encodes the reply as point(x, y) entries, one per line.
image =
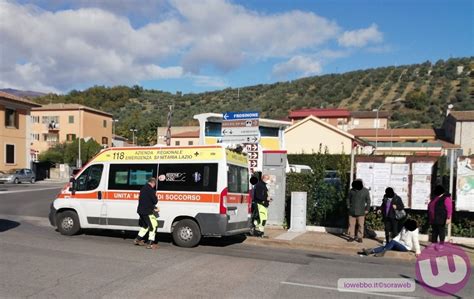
point(253, 155)
point(251, 147)
point(240, 115)
point(253, 163)
point(240, 123)
point(239, 139)
point(240, 131)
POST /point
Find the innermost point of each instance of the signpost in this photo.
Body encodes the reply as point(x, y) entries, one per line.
point(242, 128)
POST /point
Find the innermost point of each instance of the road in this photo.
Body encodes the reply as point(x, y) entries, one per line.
point(36, 261)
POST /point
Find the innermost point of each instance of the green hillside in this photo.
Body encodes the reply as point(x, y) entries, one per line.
point(426, 89)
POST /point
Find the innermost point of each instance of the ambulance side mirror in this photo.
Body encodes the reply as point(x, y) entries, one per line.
point(73, 186)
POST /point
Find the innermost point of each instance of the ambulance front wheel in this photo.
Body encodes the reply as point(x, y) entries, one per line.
point(68, 223)
point(186, 233)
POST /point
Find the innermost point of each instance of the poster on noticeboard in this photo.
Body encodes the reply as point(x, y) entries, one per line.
point(465, 184)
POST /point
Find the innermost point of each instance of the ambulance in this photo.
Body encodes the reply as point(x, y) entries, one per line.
point(201, 190)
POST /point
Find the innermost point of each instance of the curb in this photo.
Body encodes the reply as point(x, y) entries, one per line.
point(326, 248)
point(381, 234)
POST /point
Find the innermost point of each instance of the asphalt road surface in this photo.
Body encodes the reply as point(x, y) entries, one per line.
point(36, 261)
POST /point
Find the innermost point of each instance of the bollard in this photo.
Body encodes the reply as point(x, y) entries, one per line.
point(298, 212)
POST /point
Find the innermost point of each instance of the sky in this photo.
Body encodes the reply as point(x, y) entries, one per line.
point(194, 46)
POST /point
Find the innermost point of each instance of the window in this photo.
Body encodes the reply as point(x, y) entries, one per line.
point(70, 137)
point(105, 140)
point(190, 143)
point(130, 176)
point(177, 143)
point(269, 132)
point(35, 119)
point(187, 177)
point(50, 119)
point(237, 179)
point(104, 123)
point(71, 119)
point(35, 136)
point(90, 178)
point(213, 129)
point(11, 118)
point(9, 154)
point(50, 137)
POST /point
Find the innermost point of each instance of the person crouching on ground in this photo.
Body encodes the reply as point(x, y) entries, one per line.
point(358, 205)
point(263, 201)
point(148, 212)
point(440, 210)
point(390, 203)
point(406, 240)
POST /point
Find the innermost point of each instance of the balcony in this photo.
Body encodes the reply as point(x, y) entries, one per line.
point(52, 127)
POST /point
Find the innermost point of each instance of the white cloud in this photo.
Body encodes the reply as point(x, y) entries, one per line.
point(209, 81)
point(361, 37)
point(299, 64)
point(94, 42)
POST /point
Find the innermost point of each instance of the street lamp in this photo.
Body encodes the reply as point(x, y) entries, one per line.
point(113, 130)
point(377, 121)
point(133, 135)
point(79, 162)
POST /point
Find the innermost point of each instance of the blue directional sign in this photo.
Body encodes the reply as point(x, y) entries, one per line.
point(240, 115)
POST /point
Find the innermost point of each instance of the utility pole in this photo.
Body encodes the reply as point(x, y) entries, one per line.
point(79, 162)
point(168, 124)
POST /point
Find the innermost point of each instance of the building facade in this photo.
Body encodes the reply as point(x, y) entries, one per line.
point(15, 143)
point(312, 134)
point(459, 129)
point(58, 123)
point(344, 119)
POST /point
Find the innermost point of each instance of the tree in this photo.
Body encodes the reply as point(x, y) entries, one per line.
point(416, 99)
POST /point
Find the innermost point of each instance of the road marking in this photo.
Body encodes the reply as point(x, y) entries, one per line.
point(30, 190)
point(336, 289)
point(42, 221)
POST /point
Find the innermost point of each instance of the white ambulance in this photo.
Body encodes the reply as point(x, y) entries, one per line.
point(202, 191)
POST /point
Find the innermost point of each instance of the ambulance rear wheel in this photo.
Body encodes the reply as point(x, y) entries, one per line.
point(186, 233)
point(68, 223)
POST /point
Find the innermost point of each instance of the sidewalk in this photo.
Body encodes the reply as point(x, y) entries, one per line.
point(326, 242)
point(53, 181)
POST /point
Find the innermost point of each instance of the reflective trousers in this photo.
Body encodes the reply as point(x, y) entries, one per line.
point(263, 216)
point(148, 224)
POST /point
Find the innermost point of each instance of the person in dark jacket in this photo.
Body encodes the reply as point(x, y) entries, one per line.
point(254, 217)
point(358, 205)
point(390, 203)
point(440, 210)
point(148, 212)
point(262, 200)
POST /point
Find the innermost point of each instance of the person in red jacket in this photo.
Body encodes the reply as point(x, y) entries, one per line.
point(440, 211)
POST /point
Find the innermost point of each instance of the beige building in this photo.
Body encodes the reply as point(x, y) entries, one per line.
point(368, 120)
point(179, 135)
point(15, 132)
point(311, 134)
point(459, 129)
point(57, 123)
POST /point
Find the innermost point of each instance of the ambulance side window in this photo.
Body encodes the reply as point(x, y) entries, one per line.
point(130, 176)
point(237, 179)
point(187, 177)
point(90, 178)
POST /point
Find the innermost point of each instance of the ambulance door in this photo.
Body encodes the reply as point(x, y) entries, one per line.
point(237, 193)
point(124, 183)
point(89, 193)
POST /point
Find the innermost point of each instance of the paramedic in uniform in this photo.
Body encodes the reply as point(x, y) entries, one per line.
point(263, 201)
point(148, 211)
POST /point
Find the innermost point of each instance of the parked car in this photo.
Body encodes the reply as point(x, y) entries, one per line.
point(16, 176)
point(332, 177)
point(299, 168)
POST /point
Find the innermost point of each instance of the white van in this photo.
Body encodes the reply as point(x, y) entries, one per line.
point(202, 191)
point(299, 168)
